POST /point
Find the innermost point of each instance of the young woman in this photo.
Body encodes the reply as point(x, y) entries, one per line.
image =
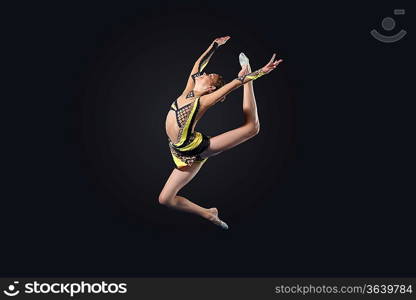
point(189, 148)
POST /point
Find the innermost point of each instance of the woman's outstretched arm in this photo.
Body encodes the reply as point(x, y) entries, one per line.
point(202, 62)
point(214, 97)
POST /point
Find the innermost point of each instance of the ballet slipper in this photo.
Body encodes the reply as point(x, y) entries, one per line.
point(220, 223)
point(243, 60)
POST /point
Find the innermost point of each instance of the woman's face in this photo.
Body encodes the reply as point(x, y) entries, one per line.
point(206, 80)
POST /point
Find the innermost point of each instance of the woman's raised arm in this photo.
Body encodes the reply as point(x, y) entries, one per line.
point(202, 62)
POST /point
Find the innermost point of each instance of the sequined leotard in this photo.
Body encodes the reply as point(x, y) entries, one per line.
point(190, 143)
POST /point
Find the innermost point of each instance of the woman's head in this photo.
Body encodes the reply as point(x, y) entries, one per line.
point(207, 83)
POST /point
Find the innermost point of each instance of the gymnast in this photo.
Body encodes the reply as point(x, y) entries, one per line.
point(190, 149)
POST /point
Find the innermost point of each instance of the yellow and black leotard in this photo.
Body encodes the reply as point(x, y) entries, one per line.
point(190, 143)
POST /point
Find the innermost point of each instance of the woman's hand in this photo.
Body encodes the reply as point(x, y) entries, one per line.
point(271, 65)
point(221, 40)
point(243, 71)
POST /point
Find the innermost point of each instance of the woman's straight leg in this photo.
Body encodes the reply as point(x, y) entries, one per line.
point(249, 103)
point(239, 135)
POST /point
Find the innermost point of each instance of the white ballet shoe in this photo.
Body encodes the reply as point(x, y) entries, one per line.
point(243, 59)
point(222, 224)
point(213, 217)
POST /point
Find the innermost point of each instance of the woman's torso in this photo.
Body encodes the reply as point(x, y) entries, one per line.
point(185, 106)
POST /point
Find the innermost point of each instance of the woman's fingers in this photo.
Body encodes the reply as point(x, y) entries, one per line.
point(272, 59)
point(272, 65)
point(223, 39)
point(278, 62)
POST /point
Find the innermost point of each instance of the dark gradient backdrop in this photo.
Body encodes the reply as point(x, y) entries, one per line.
point(322, 190)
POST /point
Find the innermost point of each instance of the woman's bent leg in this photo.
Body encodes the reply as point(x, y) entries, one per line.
point(176, 181)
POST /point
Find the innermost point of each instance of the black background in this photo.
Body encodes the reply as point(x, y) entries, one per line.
point(324, 189)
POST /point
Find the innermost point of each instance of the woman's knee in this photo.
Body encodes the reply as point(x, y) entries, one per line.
point(166, 199)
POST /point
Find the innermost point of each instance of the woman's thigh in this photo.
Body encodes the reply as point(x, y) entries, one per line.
point(228, 140)
point(179, 178)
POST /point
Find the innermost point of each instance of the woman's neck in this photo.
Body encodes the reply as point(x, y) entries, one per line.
point(196, 93)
